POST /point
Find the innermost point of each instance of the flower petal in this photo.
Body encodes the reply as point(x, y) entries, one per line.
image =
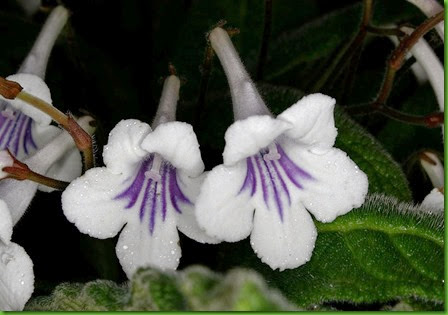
point(283, 244)
point(313, 121)
point(221, 209)
point(66, 169)
point(89, 203)
point(16, 277)
point(434, 201)
point(186, 220)
point(123, 150)
point(246, 137)
point(37, 87)
point(177, 143)
point(136, 246)
point(17, 195)
point(5, 223)
point(338, 185)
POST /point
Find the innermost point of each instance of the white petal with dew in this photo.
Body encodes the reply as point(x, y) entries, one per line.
point(434, 201)
point(18, 194)
point(16, 277)
point(177, 143)
point(123, 150)
point(186, 221)
point(338, 185)
point(5, 161)
point(89, 203)
point(313, 121)
point(246, 137)
point(283, 244)
point(136, 247)
point(221, 210)
point(5, 223)
point(34, 85)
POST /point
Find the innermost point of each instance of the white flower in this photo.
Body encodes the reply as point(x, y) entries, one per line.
point(18, 194)
point(16, 267)
point(23, 128)
point(279, 167)
point(434, 201)
point(149, 185)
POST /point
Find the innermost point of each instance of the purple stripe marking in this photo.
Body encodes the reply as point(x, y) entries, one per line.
point(276, 194)
point(153, 201)
point(133, 191)
point(250, 181)
point(20, 134)
point(282, 182)
point(164, 191)
point(272, 168)
point(263, 181)
point(152, 220)
point(145, 199)
point(16, 133)
point(28, 140)
point(293, 171)
point(176, 193)
point(5, 134)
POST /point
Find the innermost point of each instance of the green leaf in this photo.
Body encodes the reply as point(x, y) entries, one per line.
point(383, 251)
point(195, 288)
point(385, 175)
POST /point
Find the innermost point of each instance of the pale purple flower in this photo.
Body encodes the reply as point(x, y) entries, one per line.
point(274, 170)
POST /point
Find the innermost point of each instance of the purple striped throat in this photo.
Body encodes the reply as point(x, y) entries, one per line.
point(156, 182)
point(269, 171)
point(16, 132)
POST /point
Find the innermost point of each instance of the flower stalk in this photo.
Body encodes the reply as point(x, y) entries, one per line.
point(12, 90)
point(393, 65)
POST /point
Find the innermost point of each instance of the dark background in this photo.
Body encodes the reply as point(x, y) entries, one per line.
point(111, 59)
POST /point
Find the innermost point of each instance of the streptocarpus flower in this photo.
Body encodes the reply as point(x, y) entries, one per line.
point(24, 129)
point(149, 185)
point(16, 267)
point(280, 167)
point(18, 194)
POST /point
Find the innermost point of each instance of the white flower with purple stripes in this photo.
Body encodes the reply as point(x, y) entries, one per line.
point(149, 184)
point(275, 170)
point(24, 129)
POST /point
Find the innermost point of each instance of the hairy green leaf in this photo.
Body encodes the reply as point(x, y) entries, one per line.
point(383, 251)
point(195, 288)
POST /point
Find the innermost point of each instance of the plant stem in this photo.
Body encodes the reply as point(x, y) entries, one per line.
point(385, 31)
point(265, 41)
point(344, 56)
point(12, 90)
point(21, 171)
point(394, 63)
